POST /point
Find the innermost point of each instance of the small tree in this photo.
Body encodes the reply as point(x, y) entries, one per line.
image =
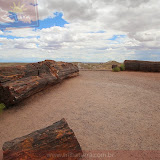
point(122, 67)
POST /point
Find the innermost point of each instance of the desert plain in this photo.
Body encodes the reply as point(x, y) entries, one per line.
point(106, 110)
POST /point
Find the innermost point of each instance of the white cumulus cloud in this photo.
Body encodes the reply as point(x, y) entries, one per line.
point(89, 36)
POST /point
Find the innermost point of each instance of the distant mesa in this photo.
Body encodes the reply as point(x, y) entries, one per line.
point(96, 66)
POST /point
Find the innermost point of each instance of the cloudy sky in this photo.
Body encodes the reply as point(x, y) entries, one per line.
point(84, 30)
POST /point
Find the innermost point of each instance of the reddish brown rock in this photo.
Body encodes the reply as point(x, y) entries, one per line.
point(20, 82)
point(56, 142)
point(145, 66)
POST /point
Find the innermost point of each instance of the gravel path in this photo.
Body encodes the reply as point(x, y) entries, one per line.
point(106, 110)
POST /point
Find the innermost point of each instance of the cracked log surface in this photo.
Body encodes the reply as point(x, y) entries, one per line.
point(20, 82)
point(55, 142)
point(145, 66)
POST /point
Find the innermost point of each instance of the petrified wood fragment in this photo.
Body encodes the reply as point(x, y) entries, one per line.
point(114, 66)
point(145, 66)
point(20, 82)
point(56, 142)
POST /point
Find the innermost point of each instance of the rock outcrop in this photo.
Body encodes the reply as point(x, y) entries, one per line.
point(20, 82)
point(55, 142)
point(145, 66)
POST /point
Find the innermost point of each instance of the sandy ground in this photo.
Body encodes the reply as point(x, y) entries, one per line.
point(106, 110)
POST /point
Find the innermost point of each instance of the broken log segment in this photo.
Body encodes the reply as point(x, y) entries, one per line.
point(144, 66)
point(20, 82)
point(55, 142)
point(114, 66)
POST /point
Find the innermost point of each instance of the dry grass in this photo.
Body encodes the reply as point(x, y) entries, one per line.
point(11, 64)
point(97, 66)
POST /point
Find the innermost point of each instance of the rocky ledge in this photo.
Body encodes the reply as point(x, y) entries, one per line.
point(20, 82)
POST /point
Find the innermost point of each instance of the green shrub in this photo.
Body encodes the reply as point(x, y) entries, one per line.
point(122, 67)
point(116, 69)
point(2, 107)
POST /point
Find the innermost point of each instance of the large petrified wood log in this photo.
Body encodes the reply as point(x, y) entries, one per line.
point(56, 142)
point(145, 66)
point(20, 82)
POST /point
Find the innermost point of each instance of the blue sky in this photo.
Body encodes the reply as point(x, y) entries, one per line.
point(50, 22)
point(117, 37)
point(83, 31)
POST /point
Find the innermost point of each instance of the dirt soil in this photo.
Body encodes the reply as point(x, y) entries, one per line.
point(106, 110)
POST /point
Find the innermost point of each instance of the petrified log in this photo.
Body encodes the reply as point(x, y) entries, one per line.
point(145, 66)
point(114, 66)
point(20, 82)
point(55, 142)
